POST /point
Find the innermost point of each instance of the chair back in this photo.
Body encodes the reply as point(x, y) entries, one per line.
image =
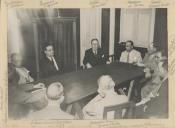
point(130, 90)
point(111, 58)
point(125, 110)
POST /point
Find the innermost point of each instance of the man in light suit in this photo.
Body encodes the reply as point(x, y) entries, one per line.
point(49, 65)
point(106, 97)
point(130, 55)
point(94, 56)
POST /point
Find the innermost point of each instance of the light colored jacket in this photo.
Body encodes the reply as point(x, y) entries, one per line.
point(50, 112)
point(96, 105)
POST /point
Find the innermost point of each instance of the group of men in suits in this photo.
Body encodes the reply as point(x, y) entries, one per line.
point(50, 66)
point(94, 56)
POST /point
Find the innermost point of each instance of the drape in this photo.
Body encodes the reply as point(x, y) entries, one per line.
point(137, 25)
point(61, 34)
point(15, 39)
point(90, 27)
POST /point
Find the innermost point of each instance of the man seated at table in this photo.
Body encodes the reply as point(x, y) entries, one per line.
point(130, 55)
point(21, 71)
point(55, 97)
point(49, 65)
point(94, 56)
point(20, 101)
point(156, 95)
point(160, 72)
point(106, 97)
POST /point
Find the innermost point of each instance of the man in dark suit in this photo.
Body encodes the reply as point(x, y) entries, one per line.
point(49, 65)
point(94, 56)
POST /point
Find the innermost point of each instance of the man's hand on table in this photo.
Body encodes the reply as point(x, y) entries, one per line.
point(91, 113)
point(88, 65)
point(39, 85)
point(140, 64)
point(108, 62)
point(147, 73)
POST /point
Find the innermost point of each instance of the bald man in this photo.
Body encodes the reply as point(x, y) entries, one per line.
point(106, 97)
point(55, 97)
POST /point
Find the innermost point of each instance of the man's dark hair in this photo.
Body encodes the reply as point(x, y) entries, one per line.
point(94, 39)
point(130, 41)
point(155, 45)
point(46, 45)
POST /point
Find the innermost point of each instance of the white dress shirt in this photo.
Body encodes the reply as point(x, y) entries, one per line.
point(131, 57)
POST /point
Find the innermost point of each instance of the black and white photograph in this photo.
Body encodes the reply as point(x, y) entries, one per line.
point(87, 63)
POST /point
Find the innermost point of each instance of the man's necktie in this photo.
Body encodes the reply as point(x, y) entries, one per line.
point(54, 63)
point(95, 52)
point(128, 58)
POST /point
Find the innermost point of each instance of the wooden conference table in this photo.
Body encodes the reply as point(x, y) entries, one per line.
point(83, 83)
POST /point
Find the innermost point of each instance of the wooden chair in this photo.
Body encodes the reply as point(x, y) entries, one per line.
point(121, 111)
point(111, 58)
point(129, 90)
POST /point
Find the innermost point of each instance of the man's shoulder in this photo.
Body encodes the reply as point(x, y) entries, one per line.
point(44, 114)
point(67, 115)
point(124, 52)
point(35, 115)
point(116, 100)
point(89, 50)
point(135, 51)
point(44, 59)
point(100, 50)
point(123, 97)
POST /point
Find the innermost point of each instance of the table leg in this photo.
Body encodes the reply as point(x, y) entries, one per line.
point(136, 95)
point(69, 108)
point(78, 110)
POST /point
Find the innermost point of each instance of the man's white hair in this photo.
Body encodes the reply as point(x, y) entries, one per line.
point(54, 91)
point(104, 82)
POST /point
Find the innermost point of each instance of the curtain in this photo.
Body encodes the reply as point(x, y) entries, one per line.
point(137, 25)
point(61, 33)
point(90, 27)
point(15, 39)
